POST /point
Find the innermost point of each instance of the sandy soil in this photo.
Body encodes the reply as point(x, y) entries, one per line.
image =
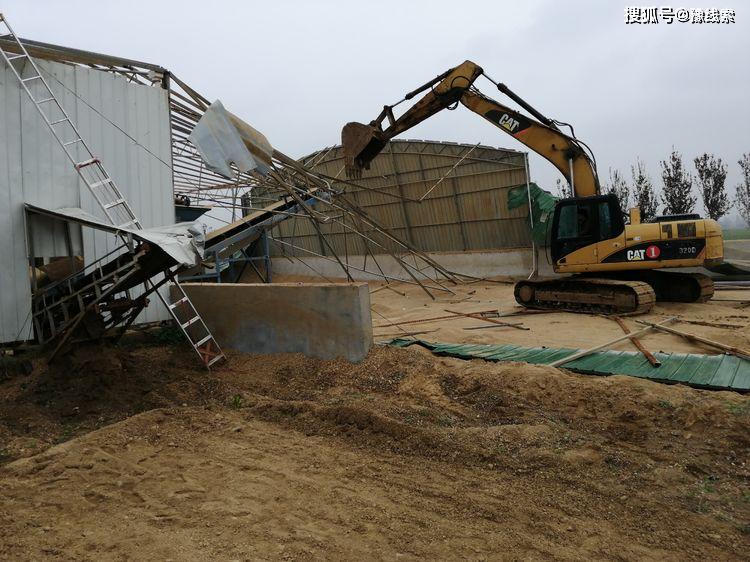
point(409, 302)
point(135, 453)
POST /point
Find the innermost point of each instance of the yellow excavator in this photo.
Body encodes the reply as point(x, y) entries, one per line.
point(617, 268)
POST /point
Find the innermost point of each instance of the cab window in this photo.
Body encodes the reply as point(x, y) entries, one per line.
point(576, 221)
point(605, 221)
point(568, 225)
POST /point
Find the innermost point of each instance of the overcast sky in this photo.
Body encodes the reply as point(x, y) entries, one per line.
point(300, 70)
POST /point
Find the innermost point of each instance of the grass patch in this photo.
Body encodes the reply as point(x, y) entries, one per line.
point(235, 403)
point(738, 409)
point(736, 234)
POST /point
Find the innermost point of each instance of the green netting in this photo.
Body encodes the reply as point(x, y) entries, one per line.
point(542, 207)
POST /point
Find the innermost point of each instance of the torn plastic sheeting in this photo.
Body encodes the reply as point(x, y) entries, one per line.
point(543, 203)
point(223, 139)
point(183, 242)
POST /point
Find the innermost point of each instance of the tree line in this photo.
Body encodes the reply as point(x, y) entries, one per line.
point(677, 195)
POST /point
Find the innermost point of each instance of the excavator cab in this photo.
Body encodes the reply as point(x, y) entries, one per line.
point(579, 222)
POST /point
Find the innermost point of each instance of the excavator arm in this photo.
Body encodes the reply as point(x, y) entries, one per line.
point(361, 143)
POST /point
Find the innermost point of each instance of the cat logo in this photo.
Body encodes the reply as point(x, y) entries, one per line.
point(636, 255)
point(509, 123)
point(652, 252)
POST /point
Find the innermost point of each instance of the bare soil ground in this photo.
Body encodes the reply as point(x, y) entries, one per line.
point(729, 312)
point(136, 453)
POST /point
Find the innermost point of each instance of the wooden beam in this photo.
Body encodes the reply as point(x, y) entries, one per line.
point(586, 352)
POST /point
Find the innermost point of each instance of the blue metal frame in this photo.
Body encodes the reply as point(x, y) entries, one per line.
point(259, 233)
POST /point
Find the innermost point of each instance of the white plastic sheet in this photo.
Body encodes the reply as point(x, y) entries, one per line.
point(223, 139)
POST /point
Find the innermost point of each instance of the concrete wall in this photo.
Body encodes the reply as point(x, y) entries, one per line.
point(515, 263)
point(319, 319)
point(511, 263)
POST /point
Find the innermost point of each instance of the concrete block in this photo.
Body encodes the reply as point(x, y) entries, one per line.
point(324, 320)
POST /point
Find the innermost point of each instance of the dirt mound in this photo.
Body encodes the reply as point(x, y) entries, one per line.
point(402, 455)
point(91, 387)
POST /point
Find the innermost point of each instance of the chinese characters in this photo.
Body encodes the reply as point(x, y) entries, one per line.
point(652, 14)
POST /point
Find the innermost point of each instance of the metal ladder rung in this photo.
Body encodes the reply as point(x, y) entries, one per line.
point(37, 77)
point(14, 57)
point(178, 303)
point(114, 203)
point(59, 121)
point(72, 142)
point(204, 340)
point(100, 183)
point(45, 100)
point(215, 359)
point(190, 322)
point(85, 163)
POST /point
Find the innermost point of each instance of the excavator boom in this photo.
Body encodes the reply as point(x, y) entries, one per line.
point(361, 143)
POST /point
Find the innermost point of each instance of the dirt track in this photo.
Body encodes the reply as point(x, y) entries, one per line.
point(403, 456)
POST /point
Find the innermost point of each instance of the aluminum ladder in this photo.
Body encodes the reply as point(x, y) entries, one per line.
point(101, 185)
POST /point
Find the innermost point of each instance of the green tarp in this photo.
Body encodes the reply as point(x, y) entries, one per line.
point(717, 372)
point(542, 207)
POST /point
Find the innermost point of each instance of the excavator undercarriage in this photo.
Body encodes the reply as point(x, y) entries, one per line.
point(626, 293)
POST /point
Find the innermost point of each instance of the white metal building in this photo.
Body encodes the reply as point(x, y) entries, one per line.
point(34, 169)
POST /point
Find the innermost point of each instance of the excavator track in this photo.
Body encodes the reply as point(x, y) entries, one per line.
point(674, 286)
point(587, 294)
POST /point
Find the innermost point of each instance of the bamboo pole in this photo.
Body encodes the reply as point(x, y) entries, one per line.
point(491, 320)
point(586, 352)
point(637, 343)
point(432, 319)
point(503, 325)
point(692, 337)
point(412, 334)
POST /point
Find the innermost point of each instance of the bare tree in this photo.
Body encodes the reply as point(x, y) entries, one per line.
point(618, 186)
point(643, 191)
point(743, 189)
point(712, 175)
point(677, 195)
point(563, 189)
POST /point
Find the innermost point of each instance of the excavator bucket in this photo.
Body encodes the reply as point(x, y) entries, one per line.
point(361, 143)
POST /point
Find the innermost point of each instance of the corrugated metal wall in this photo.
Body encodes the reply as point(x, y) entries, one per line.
point(467, 209)
point(34, 169)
